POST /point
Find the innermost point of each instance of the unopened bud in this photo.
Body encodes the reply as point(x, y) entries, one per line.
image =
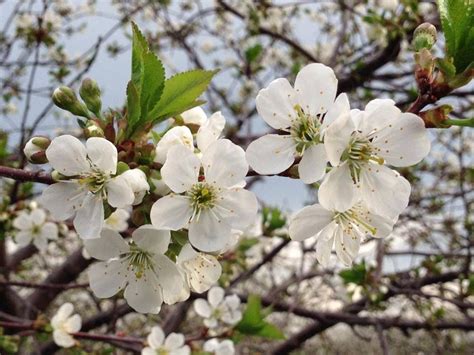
point(90, 93)
point(65, 98)
point(93, 130)
point(35, 150)
point(424, 36)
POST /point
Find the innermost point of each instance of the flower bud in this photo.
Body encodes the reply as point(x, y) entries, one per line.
point(93, 130)
point(424, 36)
point(90, 93)
point(35, 150)
point(65, 98)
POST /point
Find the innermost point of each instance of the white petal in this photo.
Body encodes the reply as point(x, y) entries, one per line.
point(378, 115)
point(23, 221)
point(40, 242)
point(73, 324)
point(325, 243)
point(38, 216)
point(148, 351)
point(63, 313)
point(309, 222)
point(174, 341)
point(63, 339)
point(152, 239)
point(312, 166)
point(210, 233)
point(202, 308)
point(23, 238)
point(210, 131)
point(341, 107)
point(338, 191)
point(181, 169)
point(63, 199)
point(68, 155)
point(196, 116)
point(215, 296)
point(180, 135)
point(271, 154)
point(316, 87)
point(337, 138)
point(138, 183)
point(109, 245)
point(156, 338)
point(102, 154)
point(347, 246)
point(404, 142)
point(171, 212)
point(383, 225)
point(224, 163)
point(90, 217)
point(119, 192)
point(143, 294)
point(170, 279)
point(49, 231)
point(107, 278)
point(276, 104)
point(384, 190)
point(238, 207)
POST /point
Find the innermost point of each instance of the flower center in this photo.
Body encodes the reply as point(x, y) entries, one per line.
point(36, 230)
point(359, 152)
point(357, 217)
point(139, 261)
point(202, 196)
point(95, 181)
point(162, 351)
point(305, 131)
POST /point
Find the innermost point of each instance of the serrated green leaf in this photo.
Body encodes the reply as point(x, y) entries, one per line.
point(457, 19)
point(133, 107)
point(139, 46)
point(180, 91)
point(152, 82)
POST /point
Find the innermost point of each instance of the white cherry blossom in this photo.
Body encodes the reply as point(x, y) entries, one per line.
point(118, 220)
point(140, 267)
point(303, 112)
point(201, 270)
point(218, 308)
point(210, 206)
point(137, 181)
point(91, 180)
point(194, 116)
point(63, 324)
point(358, 147)
point(341, 229)
point(216, 347)
point(33, 227)
point(173, 344)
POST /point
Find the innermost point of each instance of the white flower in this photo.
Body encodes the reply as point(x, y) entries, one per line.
point(208, 132)
point(33, 227)
point(357, 148)
point(136, 180)
point(173, 344)
point(148, 276)
point(24, 21)
point(201, 270)
point(195, 116)
point(389, 5)
point(216, 347)
point(90, 172)
point(118, 220)
point(343, 229)
point(218, 308)
point(64, 324)
point(303, 112)
point(210, 206)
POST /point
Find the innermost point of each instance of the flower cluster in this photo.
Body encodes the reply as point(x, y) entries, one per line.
point(360, 195)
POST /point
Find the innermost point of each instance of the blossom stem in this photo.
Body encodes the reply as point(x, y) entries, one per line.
point(23, 175)
point(460, 122)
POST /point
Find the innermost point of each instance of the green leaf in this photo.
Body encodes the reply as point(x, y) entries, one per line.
point(139, 46)
point(457, 18)
point(133, 107)
point(152, 83)
point(355, 275)
point(252, 53)
point(180, 93)
point(253, 322)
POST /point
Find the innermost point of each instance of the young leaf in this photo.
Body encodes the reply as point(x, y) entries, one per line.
point(457, 18)
point(152, 83)
point(139, 46)
point(180, 93)
point(133, 107)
